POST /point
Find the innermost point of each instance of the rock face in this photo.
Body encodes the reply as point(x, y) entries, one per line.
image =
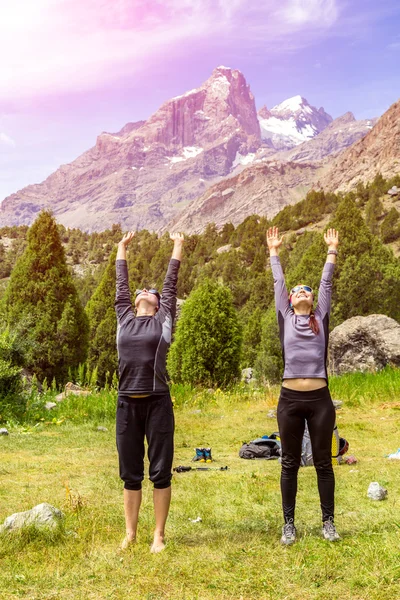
point(379, 151)
point(142, 175)
point(364, 344)
point(292, 122)
point(336, 137)
point(42, 515)
point(262, 189)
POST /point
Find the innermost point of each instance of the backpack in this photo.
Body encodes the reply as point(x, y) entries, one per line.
point(265, 447)
point(306, 448)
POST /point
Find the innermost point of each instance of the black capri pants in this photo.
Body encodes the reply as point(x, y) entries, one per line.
point(151, 417)
point(294, 409)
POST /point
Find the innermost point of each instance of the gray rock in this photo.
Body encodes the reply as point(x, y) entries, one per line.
point(376, 491)
point(50, 405)
point(364, 344)
point(301, 231)
point(337, 404)
point(100, 428)
point(228, 192)
point(4, 431)
point(271, 414)
point(225, 248)
point(394, 191)
point(179, 303)
point(43, 515)
point(247, 375)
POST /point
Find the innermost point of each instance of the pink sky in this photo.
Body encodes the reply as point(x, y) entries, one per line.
point(73, 68)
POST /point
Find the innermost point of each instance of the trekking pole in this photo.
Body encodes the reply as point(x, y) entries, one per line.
point(182, 469)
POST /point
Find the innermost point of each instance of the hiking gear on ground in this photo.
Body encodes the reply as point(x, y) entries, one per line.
point(339, 446)
point(207, 454)
point(297, 288)
point(344, 446)
point(288, 533)
point(329, 531)
point(183, 469)
point(264, 447)
point(294, 410)
point(295, 331)
point(395, 455)
point(199, 455)
point(350, 460)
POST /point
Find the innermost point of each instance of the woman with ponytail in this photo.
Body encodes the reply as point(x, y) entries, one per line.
point(304, 394)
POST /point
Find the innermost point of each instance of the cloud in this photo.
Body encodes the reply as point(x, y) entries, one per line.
point(54, 47)
point(6, 140)
point(301, 12)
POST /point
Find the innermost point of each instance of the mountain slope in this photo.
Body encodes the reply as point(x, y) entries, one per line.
point(263, 189)
point(141, 176)
point(377, 152)
point(337, 136)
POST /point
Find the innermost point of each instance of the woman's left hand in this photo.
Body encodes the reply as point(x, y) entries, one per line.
point(331, 238)
point(177, 238)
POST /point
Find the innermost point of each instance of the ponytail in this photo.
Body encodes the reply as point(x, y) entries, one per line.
point(313, 323)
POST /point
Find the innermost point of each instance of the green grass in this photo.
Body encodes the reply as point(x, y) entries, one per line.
point(234, 552)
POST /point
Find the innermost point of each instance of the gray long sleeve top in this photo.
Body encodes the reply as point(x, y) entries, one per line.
point(143, 342)
point(304, 352)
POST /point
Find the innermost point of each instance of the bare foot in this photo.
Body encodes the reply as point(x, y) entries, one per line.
point(128, 540)
point(158, 544)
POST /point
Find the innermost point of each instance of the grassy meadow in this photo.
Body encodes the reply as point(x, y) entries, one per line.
point(234, 552)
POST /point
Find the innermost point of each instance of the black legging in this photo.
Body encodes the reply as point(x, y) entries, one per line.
point(317, 409)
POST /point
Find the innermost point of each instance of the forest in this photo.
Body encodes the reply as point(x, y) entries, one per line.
point(57, 289)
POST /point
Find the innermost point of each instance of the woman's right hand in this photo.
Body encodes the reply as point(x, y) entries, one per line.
point(273, 239)
point(127, 238)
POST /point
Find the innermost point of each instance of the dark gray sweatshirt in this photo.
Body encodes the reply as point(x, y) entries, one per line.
point(143, 342)
point(304, 352)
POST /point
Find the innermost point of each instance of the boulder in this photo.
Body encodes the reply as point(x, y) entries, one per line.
point(394, 191)
point(4, 431)
point(72, 388)
point(247, 375)
point(42, 515)
point(225, 248)
point(364, 344)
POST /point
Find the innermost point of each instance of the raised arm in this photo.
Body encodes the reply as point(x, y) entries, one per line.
point(123, 304)
point(281, 295)
point(331, 238)
point(169, 291)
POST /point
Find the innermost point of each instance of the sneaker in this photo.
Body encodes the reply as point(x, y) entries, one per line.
point(329, 531)
point(207, 454)
point(200, 455)
point(288, 533)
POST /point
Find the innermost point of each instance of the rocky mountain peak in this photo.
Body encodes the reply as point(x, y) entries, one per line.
point(291, 123)
point(264, 113)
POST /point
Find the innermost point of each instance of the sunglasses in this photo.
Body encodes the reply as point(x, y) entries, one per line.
point(151, 291)
point(297, 288)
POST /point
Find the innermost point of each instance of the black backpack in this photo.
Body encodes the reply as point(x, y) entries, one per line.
point(266, 448)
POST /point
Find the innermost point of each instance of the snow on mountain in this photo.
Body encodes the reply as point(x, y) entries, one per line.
point(291, 123)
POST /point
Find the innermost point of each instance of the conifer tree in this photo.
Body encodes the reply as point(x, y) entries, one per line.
point(207, 345)
point(103, 324)
point(42, 304)
point(373, 211)
point(390, 228)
